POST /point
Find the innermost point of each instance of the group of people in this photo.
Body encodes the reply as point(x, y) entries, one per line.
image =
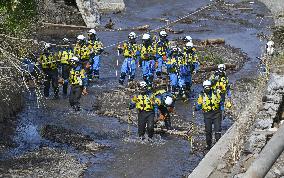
point(76, 65)
point(156, 56)
point(79, 64)
point(154, 106)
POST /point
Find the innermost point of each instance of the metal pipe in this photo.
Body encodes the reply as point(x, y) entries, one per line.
point(267, 157)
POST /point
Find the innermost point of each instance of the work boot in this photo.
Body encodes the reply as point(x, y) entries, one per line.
point(96, 74)
point(121, 81)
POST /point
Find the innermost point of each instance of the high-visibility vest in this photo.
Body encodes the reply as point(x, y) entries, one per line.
point(221, 84)
point(147, 52)
point(95, 46)
point(48, 60)
point(209, 102)
point(82, 52)
point(143, 102)
point(76, 77)
point(65, 56)
point(162, 47)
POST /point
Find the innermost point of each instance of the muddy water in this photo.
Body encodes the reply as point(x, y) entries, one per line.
point(126, 156)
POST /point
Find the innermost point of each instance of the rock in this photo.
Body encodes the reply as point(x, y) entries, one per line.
point(221, 166)
point(248, 160)
point(89, 12)
point(263, 123)
point(256, 142)
point(277, 172)
point(239, 175)
point(272, 106)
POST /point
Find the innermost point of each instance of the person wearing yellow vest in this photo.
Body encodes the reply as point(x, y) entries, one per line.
point(131, 53)
point(162, 52)
point(78, 82)
point(148, 53)
point(82, 51)
point(210, 102)
point(146, 106)
point(65, 55)
point(96, 48)
point(49, 64)
point(173, 68)
point(189, 66)
point(220, 81)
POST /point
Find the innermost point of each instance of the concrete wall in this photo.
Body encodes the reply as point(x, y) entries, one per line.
point(90, 9)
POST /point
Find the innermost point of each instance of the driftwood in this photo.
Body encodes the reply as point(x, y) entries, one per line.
point(64, 25)
point(183, 133)
point(108, 27)
point(143, 27)
point(174, 31)
point(245, 8)
point(213, 41)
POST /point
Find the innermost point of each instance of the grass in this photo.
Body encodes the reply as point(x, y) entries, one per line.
point(17, 16)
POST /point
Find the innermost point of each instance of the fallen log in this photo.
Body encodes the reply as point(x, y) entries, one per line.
point(143, 27)
point(64, 25)
point(245, 8)
point(213, 41)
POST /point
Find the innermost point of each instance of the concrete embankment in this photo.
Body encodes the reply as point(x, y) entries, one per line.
point(259, 120)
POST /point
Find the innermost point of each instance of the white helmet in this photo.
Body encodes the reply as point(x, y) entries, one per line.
point(74, 59)
point(189, 44)
point(92, 31)
point(207, 83)
point(222, 67)
point(174, 48)
point(80, 37)
point(146, 36)
point(132, 35)
point(168, 100)
point(188, 38)
point(143, 84)
point(65, 40)
point(270, 43)
point(163, 33)
point(47, 45)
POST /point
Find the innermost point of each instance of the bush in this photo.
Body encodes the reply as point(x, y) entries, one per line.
point(17, 16)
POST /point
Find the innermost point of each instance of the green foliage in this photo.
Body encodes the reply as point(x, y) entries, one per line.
point(16, 16)
point(209, 57)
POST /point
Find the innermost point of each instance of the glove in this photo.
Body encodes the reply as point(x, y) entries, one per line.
point(228, 105)
point(84, 92)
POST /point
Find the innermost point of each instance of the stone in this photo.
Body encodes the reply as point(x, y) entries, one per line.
point(256, 142)
point(239, 175)
point(221, 166)
point(89, 12)
point(263, 123)
point(272, 106)
point(247, 161)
